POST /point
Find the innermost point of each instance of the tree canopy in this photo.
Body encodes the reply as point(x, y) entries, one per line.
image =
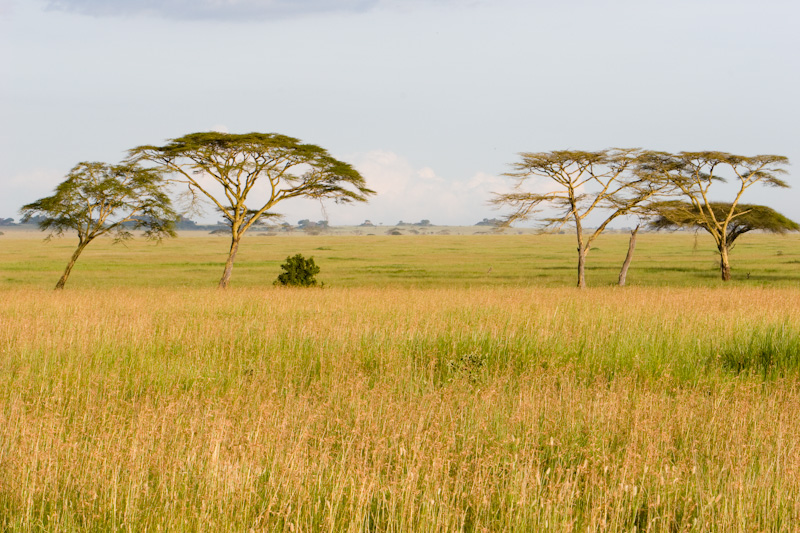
point(745, 218)
point(580, 183)
point(694, 173)
point(246, 175)
point(99, 199)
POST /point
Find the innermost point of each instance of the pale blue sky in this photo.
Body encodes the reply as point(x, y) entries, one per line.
point(430, 99)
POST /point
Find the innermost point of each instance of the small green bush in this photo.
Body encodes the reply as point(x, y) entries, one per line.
point(298, 272)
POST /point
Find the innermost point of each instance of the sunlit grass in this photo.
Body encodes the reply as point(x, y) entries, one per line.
point(399, 409)
point(441, 383)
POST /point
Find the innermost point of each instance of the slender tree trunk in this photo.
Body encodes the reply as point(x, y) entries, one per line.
point(724, 263)
point(582, 250)
point(226, 275)
point(623, 274)
point(75, 255)
point(582, 266)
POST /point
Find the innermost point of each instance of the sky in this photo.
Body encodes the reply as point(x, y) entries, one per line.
point(431, 100)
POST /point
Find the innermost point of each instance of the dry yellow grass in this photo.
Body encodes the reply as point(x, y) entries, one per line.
point(487, 409)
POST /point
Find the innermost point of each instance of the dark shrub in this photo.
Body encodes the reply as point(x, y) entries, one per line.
point(298, 272)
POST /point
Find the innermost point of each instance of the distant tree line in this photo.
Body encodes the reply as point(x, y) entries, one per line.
point(424, 223)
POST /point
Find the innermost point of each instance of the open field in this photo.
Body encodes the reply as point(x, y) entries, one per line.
point(195, 259)
point(417, 393)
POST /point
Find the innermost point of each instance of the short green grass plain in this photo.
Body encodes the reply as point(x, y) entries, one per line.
point(196, 259)
point(437, 383)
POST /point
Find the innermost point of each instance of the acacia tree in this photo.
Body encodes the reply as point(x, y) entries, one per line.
point(743, 218)
point(694, 173)
point(245, 175)
point(99, 199)
point(585, 182)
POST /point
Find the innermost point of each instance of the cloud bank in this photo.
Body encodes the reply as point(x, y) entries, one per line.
point(233, 10)
point(409, 193)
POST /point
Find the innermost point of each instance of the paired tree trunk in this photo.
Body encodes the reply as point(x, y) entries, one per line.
point(623, 274)
point(75, 255)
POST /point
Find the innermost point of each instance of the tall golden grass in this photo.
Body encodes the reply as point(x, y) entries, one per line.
point(491, 409)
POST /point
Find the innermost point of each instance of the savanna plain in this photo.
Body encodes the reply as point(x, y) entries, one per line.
point(435, 383)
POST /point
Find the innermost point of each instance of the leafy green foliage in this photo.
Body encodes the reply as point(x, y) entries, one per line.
point(238, 161)
point(571, 172)
point(298, 272)
point(692, 175)
point(694, 172)
point(226, 168)
point(100, 199)
point(97, 198)
point(745, 217)
point(582, 183)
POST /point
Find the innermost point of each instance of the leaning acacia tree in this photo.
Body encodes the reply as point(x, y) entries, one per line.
point(99, 199)
point(743, 218)
point(246, 175)
point(694, 173)
point(585, 183)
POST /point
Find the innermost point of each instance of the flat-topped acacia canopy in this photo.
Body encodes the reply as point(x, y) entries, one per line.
point(238, 162)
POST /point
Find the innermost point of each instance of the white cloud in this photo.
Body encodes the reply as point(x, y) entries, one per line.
point(409, 193)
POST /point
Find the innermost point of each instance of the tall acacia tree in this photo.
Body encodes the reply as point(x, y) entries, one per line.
point(246, 175)
point(99, 199)
point(694, 173)
point(584, 183)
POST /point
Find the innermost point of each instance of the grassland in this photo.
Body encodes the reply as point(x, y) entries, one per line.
point(418, 393)
point(429, 261)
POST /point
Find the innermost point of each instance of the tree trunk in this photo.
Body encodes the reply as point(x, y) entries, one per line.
point(582, 266)
point(582, 249)
point(724, 263)
point(623, 274)
point(226, 275)
point(75, 255)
